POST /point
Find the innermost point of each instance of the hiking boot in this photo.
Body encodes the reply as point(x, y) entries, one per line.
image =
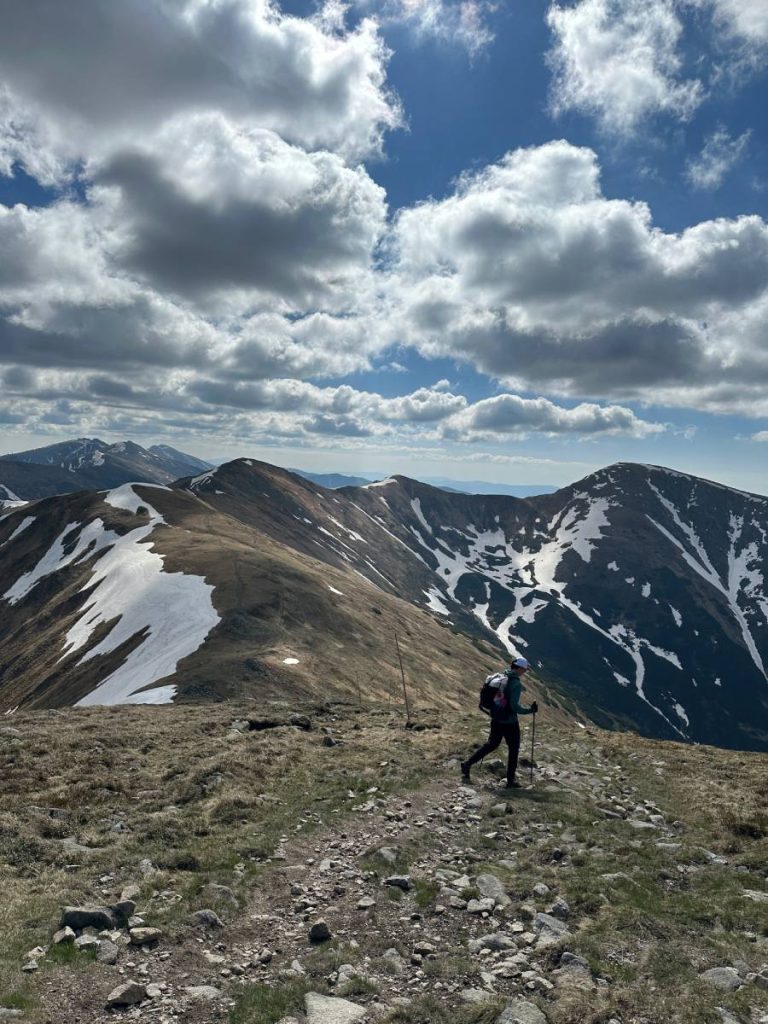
point(513, 785)
point(465, 771)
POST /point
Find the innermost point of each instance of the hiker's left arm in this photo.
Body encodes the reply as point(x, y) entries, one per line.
point(514, 694)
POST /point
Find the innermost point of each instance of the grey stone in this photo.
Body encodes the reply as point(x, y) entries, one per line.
point(388, 854)
point(520, 1011)
point(127, 995)
point(560, 908)
point(203, 993)
point(107, 952)
point(9, 1013)
point(549, 930)
point(330, 1010)
point(726, 978)
point(87, 942)
point(493, 941)
point(490, 886)
point(475, 996)
point(483, 906)
point(63, 936)
point(145, 936)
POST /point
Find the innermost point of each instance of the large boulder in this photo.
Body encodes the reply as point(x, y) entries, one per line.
point(127, 995)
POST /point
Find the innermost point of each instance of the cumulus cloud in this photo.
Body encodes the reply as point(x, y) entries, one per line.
point(619, 61)
point(209, 208)
point(511, 415)
point(139, 64)
point(719, 155)
point(533, 276)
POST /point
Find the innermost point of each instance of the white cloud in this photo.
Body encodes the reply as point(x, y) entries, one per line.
point(83, 86)
point(720, 153)
point(747, 19)
point(619, 61)
point(511, 415)
point(458, 22)
point(761, 435)
point(530, 274)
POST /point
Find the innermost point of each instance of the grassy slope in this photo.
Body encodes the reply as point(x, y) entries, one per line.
point(173, 785)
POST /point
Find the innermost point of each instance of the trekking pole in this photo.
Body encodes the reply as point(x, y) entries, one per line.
point(405, 689)
point(533, 740)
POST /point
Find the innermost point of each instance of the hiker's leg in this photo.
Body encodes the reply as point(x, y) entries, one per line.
point(494, 739)
point(512, 736)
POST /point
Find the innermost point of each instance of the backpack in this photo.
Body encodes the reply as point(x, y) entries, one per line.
point(490, 692)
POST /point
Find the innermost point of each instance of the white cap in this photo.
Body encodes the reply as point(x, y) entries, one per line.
point(521, 663)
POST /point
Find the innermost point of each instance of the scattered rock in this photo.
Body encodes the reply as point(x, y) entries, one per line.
point(388, 854)
point(63, 936)
point(87, 942)
point(128, 994)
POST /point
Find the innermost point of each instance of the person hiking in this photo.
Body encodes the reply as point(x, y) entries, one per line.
point(504, 724)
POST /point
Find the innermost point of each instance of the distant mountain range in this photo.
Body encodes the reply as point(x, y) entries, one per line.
point(88, 463)
point(335, 480)
point(638, 593)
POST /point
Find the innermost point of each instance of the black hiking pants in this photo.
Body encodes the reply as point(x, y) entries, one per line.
point(500, 731)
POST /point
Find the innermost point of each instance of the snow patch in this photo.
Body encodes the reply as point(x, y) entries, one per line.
point(335, 591)
point(435, 601)
point(26, 521)
point(290, 661)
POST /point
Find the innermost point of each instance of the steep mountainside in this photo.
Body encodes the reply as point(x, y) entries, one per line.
point(88, 463)
point(144, 594)
point(638, 590)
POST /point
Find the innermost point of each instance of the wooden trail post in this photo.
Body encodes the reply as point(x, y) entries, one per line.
point(405, 689)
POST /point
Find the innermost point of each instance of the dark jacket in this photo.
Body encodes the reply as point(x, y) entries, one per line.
point(507, 706)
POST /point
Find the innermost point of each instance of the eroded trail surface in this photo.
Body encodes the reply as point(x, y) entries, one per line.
point(361, 880)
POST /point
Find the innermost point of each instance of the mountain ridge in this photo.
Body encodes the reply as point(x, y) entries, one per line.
point(636, 592)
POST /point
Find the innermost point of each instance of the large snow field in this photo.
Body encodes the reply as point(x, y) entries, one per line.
point(172, 612)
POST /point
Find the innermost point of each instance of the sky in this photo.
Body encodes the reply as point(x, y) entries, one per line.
point(513, 241)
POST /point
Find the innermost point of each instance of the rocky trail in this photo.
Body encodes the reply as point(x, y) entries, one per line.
point(568, 900)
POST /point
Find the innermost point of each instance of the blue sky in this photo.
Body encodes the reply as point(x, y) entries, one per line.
point(441, 237)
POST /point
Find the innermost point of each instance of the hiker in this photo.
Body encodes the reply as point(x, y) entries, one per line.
point(504, 724)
